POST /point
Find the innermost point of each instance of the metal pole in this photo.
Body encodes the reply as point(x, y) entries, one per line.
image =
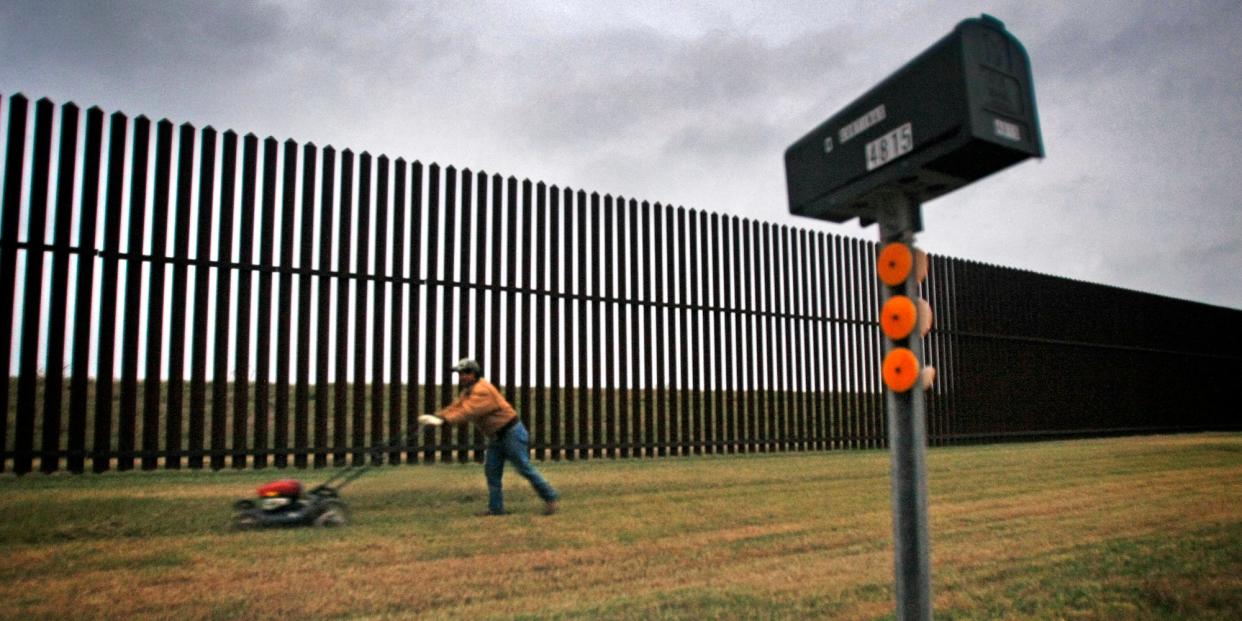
point(899, 220)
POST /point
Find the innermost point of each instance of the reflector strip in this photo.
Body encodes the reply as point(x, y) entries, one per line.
point(897, 317)
point(895, 263)
point(901, 369)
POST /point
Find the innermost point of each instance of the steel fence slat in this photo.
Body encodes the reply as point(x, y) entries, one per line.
point(785, 323)
point(380, 275)
point(511, 297)
point(819, 254)
point(460, 433)
point(733, 318)
point(306, 237)
point(362, 284)
point(648, 367)
point(83, 298)
point(693, 387)
point(430, 403)
point(538, 433)
point(605, 391)
point(58, 310)
point(846, 340)
point(340, 389)
point(719, 339)
point(15, 151)
point(263, 339)
point(663, 221)
point(177, 310)
point(879, 432)
point(202, 273)
point(596, 341)
point(862, 354)
point(682, 366)
point(245, 312)
point(582, 428)
point(482, 291)
point(525, 336)
point(495, 239)
point(157, 272)
point(131, 327)
point(224, 292)
point(284, 305)
point(835, 266)
point(802, 340)
point(557, 302)
point(323, 332)
point(397, 386)
point(416, 236)
point(101, 446)
point(748, 318)
point(568, 426)
point(28, 363)
point(447, 283)
point(859, 339)
point(630, 400)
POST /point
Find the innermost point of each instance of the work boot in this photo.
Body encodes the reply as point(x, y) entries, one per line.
point(550, 507)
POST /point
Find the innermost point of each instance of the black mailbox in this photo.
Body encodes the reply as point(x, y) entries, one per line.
point(961, 110)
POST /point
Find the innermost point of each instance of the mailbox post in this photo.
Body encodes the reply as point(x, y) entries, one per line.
point(958, 112)
point(905, 410)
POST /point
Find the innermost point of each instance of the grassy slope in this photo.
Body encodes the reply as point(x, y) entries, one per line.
point(1136, 528)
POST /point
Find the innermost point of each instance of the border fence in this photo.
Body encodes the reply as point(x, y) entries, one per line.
point(239, 302)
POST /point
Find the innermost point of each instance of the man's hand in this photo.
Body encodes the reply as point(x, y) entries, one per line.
point(430, 419)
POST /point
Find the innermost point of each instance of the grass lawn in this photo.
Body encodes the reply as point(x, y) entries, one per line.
point(1129, 528)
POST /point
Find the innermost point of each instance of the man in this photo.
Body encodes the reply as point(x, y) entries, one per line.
point(481, 404)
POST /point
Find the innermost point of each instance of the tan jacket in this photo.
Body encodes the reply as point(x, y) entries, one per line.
point(482, 405)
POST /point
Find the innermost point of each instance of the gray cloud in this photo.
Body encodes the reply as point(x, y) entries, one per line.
point(177, 45)
point(693, 104)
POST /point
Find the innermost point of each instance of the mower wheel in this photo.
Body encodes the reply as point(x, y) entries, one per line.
point(245, 521)
point(335, 513)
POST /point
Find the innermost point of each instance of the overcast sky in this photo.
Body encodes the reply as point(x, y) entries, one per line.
point(693, 104)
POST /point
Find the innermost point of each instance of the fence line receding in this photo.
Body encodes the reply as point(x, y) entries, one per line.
point(177, 296)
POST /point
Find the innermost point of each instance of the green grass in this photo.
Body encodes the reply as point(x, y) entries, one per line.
point(1130, 528)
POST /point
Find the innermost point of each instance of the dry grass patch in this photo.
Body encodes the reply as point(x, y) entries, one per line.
point(1054, 530)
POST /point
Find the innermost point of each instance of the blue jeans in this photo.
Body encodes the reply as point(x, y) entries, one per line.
point(512, 445)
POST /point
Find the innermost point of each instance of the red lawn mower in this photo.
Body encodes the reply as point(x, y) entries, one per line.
point(282, 503)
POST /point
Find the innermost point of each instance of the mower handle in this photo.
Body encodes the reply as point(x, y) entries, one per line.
point(347, 474)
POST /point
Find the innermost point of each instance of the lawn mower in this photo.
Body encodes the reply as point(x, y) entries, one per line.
point(282, 502)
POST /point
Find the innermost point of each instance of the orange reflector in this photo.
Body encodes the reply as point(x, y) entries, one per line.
point(895, 263)
point(897, 317)
point(925, 317)
point(927, 377)
point(901, 369)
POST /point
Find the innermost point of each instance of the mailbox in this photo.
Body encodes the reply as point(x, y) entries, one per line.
point(961, 110)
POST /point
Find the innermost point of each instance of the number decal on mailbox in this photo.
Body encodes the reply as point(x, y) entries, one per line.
point(889, 147)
